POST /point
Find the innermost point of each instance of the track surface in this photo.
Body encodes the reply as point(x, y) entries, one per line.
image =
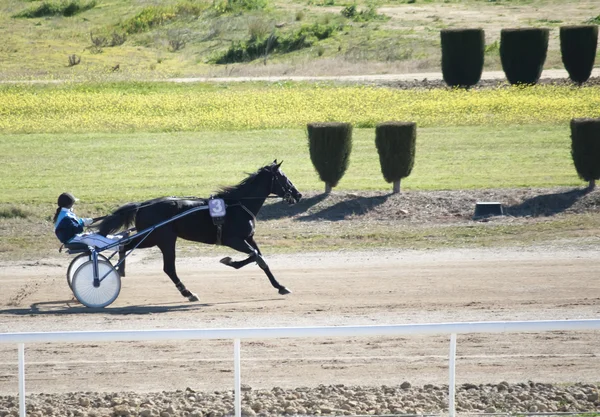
point(380, 287)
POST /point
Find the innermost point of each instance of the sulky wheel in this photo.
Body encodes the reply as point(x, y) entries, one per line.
point(105, 293)
point(77, 262)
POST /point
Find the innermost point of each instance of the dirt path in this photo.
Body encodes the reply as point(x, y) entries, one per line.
point(549, 74)
point(382, 287)
point(432, 76)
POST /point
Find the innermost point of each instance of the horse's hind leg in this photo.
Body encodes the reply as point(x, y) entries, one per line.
point(249, 246)
point(168, 251)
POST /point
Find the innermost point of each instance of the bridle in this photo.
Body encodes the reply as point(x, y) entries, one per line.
point(287, 194)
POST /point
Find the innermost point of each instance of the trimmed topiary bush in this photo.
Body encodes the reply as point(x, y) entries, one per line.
point(396, 142)
point(330, 145)
point(585, 149)
point(523, 53)
point(578, 50)
point(462, 56)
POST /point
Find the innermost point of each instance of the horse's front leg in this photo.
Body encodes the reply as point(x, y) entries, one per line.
point(238, 264)
point(168, 251)
point(250, 247)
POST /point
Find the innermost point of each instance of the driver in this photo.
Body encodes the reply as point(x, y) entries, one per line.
point(69, 228)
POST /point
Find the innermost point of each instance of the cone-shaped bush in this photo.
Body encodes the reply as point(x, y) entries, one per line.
point(395, 142)
point(330, 145)
point(585, 148)
point(462, 56)
point(578, 50)
point(523, 53)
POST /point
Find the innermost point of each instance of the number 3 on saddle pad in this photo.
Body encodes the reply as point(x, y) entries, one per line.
point(216, 208)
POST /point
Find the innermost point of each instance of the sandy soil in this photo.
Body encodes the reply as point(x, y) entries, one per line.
point(383, 287)
point(492, 19)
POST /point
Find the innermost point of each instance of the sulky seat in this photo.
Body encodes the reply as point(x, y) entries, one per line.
point(76, 247)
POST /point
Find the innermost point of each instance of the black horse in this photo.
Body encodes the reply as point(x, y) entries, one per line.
point(243, 202)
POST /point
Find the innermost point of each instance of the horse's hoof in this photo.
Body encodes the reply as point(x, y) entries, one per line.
point(226, 261)
point(284, 291)
point(193, 297)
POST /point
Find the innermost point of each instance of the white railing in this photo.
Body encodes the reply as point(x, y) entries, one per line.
point(273, 333)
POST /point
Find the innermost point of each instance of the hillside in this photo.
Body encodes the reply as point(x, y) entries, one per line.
point(145, 39)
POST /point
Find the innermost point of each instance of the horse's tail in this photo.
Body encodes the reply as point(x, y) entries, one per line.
point(119, 219)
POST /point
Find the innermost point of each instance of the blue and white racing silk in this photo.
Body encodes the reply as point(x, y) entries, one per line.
point(67, 225)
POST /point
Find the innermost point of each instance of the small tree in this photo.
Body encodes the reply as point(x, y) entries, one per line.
point(330, 145)
point(396, 142)
point(523, 53)
point(462, 56)
point(578, 50)
point(585, 149)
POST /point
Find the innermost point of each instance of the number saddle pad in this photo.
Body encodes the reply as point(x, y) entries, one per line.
point(217, 210)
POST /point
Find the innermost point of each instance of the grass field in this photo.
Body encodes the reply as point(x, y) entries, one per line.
point(106, 169)
point(123, 167)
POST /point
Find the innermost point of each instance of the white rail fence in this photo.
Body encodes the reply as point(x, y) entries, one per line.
point(453, 329)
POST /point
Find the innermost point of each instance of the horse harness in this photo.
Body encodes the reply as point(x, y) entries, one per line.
point(218, 209)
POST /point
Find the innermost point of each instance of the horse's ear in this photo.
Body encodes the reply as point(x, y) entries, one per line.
point(278, 164)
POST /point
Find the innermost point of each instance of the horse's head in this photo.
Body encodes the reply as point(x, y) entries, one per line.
point(281, 185)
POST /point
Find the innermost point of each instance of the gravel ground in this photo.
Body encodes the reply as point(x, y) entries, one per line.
point(428, 83)
point(324, 400)
point(437, 207)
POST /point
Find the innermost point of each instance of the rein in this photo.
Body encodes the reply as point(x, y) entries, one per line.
point(95, 219)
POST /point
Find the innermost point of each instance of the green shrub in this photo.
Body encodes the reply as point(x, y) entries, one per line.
point(294, 41)
point(462, 56)
point(349, 11)
point(319, 30)
point(189, 8)
point(249, 50)
point(585, 149)
point(12, 212)
point(259, 28)
point(330, 145)
point(594, 20)
point(396, 143)
point(57, 8)
point(523, 53)
point(104, 38)
point(234, 6)
point(492, 48)
point(153, 16)
point(117, 39)
point(256, 47)
point(368, 14)
point(578, 50)
point(148, 18)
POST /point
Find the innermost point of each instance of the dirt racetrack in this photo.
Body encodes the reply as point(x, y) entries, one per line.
point(342, 288)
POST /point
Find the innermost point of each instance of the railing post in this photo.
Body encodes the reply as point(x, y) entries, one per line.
point(237, 378)
point(21, 379)
point(452, 379)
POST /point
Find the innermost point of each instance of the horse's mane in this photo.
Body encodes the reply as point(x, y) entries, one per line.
point(234, 190)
